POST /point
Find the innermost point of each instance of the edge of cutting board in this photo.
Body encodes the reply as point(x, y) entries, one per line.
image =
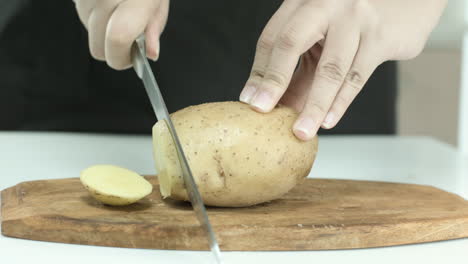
point(318, 214)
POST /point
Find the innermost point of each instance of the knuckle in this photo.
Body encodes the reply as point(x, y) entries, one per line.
point(257, 73)
point(287, 40)
point(119, 34)
point(276, 78)
point(364, 12)
point(361, 7)
point(355, 79)
point(368, 17)
point(331, 70)
point(317, 7)
point(265, 42)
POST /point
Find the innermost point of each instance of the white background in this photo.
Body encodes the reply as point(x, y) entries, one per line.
point(430, 85)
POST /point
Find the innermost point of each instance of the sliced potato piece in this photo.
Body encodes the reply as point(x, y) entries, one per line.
point(114, 185)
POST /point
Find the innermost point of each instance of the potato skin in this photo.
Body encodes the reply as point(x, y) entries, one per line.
point(238, 157)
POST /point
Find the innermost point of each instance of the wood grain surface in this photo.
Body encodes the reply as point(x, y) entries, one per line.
point(317, 214)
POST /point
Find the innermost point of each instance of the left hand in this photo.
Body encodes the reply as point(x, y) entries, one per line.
point(340, 43)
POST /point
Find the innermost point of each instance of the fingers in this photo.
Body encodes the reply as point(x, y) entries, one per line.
point(362, 68)
point(298, 90)
point(113, 26)
point(338, 53)
point(155, 28)
point(297, 36)
point(126, 23)
point(97, 24)
point(265, 46)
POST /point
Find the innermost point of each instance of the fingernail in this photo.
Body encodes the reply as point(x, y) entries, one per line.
point(305, 128)
point(247, 94)
point(329, 119)
point(262, 101)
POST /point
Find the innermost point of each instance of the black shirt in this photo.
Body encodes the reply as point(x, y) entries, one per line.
point(49, 81)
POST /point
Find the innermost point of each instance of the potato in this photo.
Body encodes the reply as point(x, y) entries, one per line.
point(113, 185)
point(238, 157)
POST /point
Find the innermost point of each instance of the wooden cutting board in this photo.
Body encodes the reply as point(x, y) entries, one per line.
point(318, 214)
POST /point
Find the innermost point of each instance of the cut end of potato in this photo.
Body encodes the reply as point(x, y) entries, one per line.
point(167, 162)
point(165, 185)
point(114, 185)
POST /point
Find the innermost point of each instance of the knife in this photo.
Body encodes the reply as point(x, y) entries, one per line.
point(143, 70)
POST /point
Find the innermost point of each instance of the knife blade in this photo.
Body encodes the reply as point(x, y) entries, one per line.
point(143, 70)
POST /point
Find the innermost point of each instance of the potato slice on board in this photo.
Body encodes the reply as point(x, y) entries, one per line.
point(114, 185)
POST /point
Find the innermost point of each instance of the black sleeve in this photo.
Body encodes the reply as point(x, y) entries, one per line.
point(48, 80)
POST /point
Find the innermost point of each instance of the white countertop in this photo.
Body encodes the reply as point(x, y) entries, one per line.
point(421, 160)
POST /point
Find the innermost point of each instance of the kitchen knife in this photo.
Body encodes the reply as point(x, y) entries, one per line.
point(143, 70)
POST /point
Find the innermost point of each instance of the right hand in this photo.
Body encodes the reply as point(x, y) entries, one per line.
point(340, 43)
point(113, 26)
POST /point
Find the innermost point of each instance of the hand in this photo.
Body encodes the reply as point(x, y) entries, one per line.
point(113, 26)
point(339, 44)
